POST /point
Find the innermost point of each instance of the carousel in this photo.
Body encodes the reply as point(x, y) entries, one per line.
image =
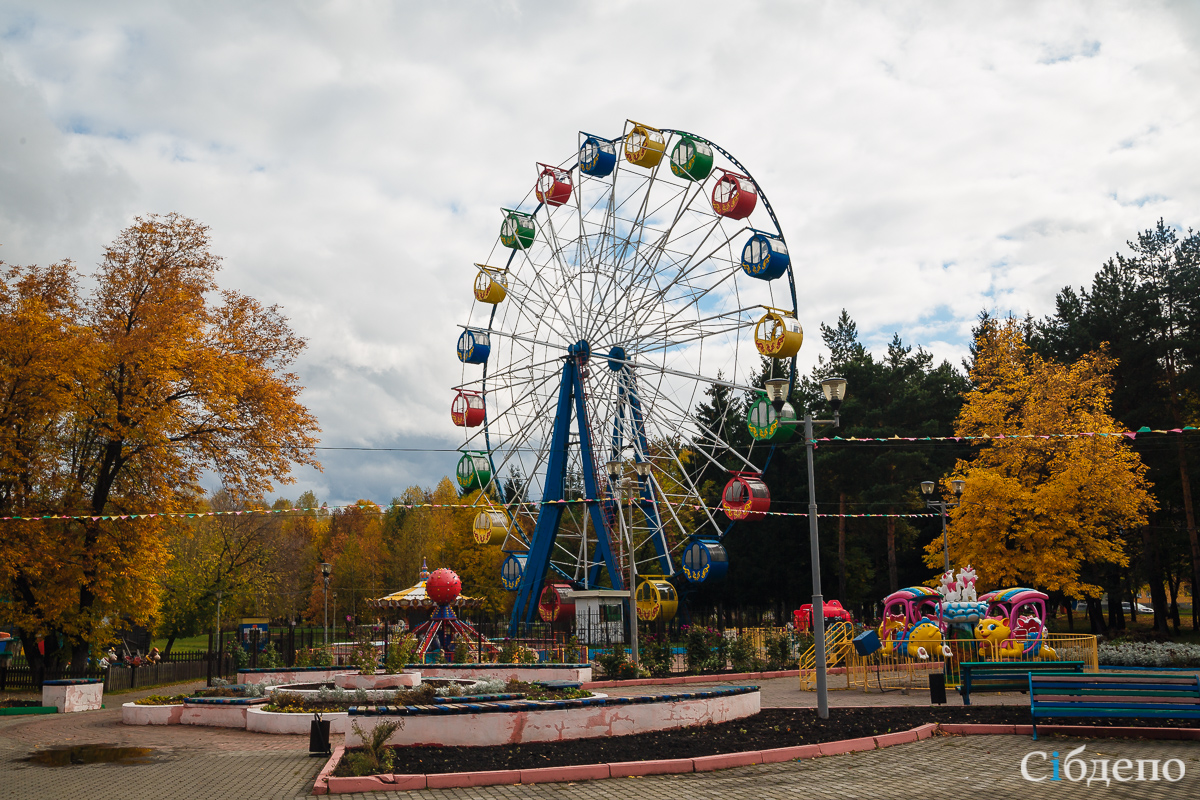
point(429, 609)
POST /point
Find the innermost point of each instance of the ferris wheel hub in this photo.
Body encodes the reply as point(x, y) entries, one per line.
point(616, 358)
point(581, 350)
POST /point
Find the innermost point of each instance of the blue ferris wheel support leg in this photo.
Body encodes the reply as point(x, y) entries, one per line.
point(545, 532)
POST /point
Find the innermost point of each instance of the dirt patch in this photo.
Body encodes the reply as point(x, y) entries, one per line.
point(773, 727)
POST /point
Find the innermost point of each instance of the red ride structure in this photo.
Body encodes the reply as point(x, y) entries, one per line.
point(443, 588)
point(802, 617)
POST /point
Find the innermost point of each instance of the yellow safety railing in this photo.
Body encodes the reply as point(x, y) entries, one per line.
point(898, 670)
point(839, 645)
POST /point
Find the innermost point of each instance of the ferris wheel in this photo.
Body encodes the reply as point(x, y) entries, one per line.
point(637, 272)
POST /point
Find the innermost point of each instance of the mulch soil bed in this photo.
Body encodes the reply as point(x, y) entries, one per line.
point(772, 727)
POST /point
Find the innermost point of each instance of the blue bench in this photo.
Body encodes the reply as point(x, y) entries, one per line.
point(1140, 695)
point(1005, 676)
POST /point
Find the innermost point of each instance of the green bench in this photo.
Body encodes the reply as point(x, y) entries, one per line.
point(1114, 695)
point(1006, 676)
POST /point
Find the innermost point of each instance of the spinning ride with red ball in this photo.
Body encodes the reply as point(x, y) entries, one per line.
point(443, 587)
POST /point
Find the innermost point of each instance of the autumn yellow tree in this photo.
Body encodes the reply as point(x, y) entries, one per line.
point(163, 377)
point(1036, 510)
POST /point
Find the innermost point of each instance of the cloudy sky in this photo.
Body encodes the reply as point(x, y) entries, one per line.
point(926, 160)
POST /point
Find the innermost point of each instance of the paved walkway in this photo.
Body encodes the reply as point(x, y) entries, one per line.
point(203, 763)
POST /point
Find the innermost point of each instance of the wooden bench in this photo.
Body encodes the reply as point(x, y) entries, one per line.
point(1114, 695)
point(1006, 676)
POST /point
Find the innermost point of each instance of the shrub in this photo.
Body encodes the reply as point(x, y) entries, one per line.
point(322, 657)
point(365, 657)
point(374, 757)
point(304, 657)
point(656, 655)
point(705, 650)
point(616, 665)
point(270, 658)
point(161, 700)
point(742, 654)
point(779, 650)
point(462, 650)
point(1149, 654)
point(401, 653)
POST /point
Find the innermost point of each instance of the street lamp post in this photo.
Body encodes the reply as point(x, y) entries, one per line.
point(326, 569)
point(956, 486)
point(620, 489)
point(835, 392)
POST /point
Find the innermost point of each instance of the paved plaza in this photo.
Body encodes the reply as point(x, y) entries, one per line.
point(192, 762)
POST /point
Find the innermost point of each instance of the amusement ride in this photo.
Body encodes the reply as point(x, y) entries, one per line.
point(636, 273)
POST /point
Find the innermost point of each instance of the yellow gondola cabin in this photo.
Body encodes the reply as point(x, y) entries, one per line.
point(644, 146)
point(491, 284)
point(778, 334)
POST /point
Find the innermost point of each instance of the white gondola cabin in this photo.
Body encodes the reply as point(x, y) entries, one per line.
point(518, 230)
point(765, 257)
point(597, 156)
point(778, 334)
point(734, 196)
point(746, 497)
point(474, 471)
point(488, 524)
point(491, 284)
point(553, 185)
point(765, 425)
point(656, 599)
point(644, 146)
point(474, 346)
point(467, 410)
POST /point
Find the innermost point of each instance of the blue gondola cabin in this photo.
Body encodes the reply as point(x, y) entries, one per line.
point(705, 560)
point(778, 334)
point(474, 346)
point(597, 156)
point(474, 471)
point(511, 571)
point(691, 159)
point(553, 185)
point(491, 284)
point(767, 426)
point(765, 257)
point(644, 146)
point(518, 230)
point(746, 497)
point(467, 410)
point(734, 196)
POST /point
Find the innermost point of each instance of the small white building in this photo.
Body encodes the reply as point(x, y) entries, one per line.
point(599, 616)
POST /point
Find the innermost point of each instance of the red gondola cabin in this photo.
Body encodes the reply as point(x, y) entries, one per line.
point(734, 196)
point(553, 185)
point(746, 497)
point(554, 605)
point(467, 410)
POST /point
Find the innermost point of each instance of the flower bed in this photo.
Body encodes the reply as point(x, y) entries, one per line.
point(1148, 654)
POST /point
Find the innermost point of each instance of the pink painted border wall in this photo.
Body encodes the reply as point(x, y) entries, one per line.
point(556, 724)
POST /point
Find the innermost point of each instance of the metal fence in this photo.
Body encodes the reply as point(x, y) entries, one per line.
point(18, 675)
point(898, 669)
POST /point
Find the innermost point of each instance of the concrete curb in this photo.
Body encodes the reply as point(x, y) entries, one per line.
point(589, 772)
point(679, 679)
point(678, 766)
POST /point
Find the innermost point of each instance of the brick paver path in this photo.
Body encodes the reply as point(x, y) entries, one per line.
point(204, 763)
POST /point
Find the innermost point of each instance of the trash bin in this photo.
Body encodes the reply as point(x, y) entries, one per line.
point(318, 737)
point(937, 689)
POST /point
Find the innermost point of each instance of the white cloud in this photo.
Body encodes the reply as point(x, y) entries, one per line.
point(925, 160)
